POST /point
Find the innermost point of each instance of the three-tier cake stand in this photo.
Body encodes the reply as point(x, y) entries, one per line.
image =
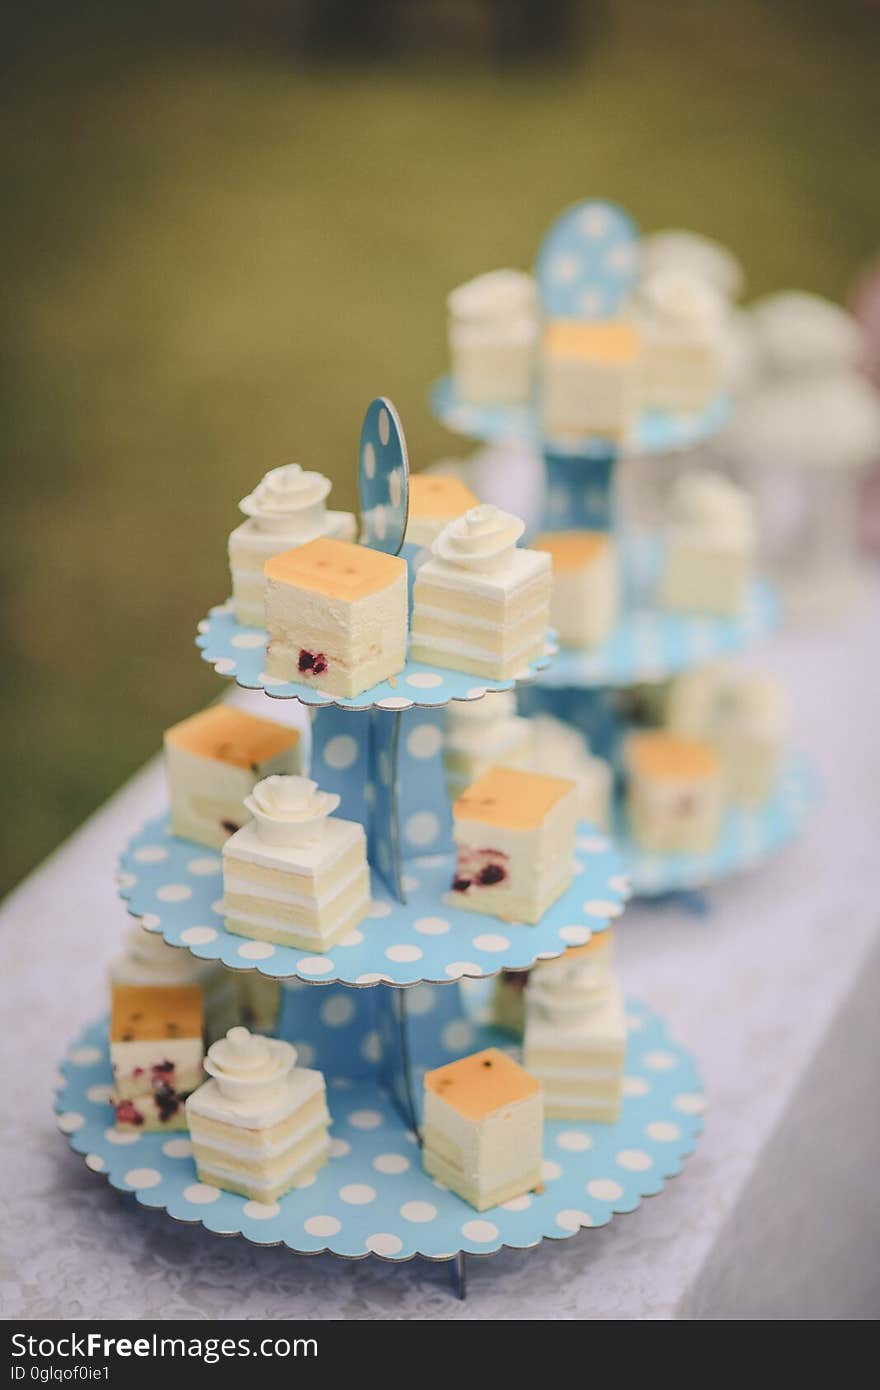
point(402, 993)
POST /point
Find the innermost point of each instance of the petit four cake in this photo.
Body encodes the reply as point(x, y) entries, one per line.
point(575, 1033)
point(710, 546)
point(287, 508)
point(698, 256)
point(336, 615)
point(484, 1128)
point(480, 603)
point(675, 793)
point(562, 751)
point(691, 699)
point(508, 1005)
point(434, 501)
point(493, 333)
point(259, 1124)
point(514, 837)
point(584, 603)
point(295, 874)
point(682, 323)
point(213, 760)
point(589, 378)
point(156, 1053)
point(482, 733)
point(147, 960)
point(749, 728)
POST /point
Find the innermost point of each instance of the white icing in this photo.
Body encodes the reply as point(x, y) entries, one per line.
point(482, 539)
point(676, 299)
point(288, 499)
point(250, 1070)
point(676, 249)
point(711, 502)
point(506, 297)
point(290, 810)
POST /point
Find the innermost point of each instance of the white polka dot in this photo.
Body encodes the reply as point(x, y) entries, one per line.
point(574, 1141)
point(338, 1010)
point(592, 844)
point(593, 221)
point(635, 1023)
point(219, 907)
point(566, 269)
point(70, 1122)
point(635, 1086)
point(371, 1047)
point(260, 1211)
point(143, 1177)
point(351, 938)
point(305, 1053)
point(339, 1148)
point(369, 461)
point(690, 1103)
point(605, 1189)
point(620, 883)
point(177, 1148)
point(391, 1163)
point(202, 1194)
point(322, 1225)
point(256, 950)
point(424, 741)
point(224, 666)
point(126, 880)
point(404, 954)
point(422, 828)
point(378, 909)
point(480, 1231)
point(394, 702)
point(418, 1000)
point(84, 1056)
point(424, 680)
point(456, 968)
point(314, 965)
point(395, 487)
point(660, 1061)
point(409, 883)
point(303, 1183)
point(550, 1171)
point(150, 922)
point(150, 854)
point(203, 866)
point(491, 941)
point(174, 892)
point(602, 907)
point(357, 1194)
point(384, 425)
point(476, 692)
point(431, 926)
point(248, 641)
point(198, 936)
point(365, 1119)
point(575, 936)
point(571, 1220)
point(636, 1160)
point(418, 1211)
point(121, 1136)
point(386, 770)
point(373, 978)
point(99, 1095)
point(663, 1131)
point(578, 867)
point(95, 1162)
point(458, 1035)
point(383, 1243)
point(340, 752)
point(518, 1203)
point(370, 794)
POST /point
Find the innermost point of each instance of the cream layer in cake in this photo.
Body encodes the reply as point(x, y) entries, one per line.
point(481, 734)
point(156, 1051)
point(480, 604)
point(575, 1039)
point(562, 751)
point(300, 895)
point(682, 324)
point(710, 546)
point(585, 601)
point(336, 615)
point(483, 1128)
point(589, 378)
point(148, 960)
point(493, 334)
point(675, 793)
point(213, 760)
point(514, 836)
point(434, 501)
point(259, 1125)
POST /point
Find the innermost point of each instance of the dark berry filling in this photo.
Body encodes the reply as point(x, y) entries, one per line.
point(311, 663)
point(230, 826)
point(461, 885)
point(493, 873)
point(126, 1114)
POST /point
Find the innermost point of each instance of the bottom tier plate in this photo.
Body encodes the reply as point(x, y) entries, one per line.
point(373, 1196)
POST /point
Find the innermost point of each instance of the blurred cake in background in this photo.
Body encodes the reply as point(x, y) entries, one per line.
point(156, 1049)
point(493, 333)
point(147, 960)
point(589, 378)
point(434, 501)
point(483, 733)
point(695, 255)
point(674, 792)
point(562, 750)
point(682, 323)
point(585, 601)
point(710, 546)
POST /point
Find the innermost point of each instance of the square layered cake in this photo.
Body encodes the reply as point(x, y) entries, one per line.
point(675, 793)
point(337, 616)
point(156, 1053)
point(584, 602)
point(590, 378)
point(434, 501)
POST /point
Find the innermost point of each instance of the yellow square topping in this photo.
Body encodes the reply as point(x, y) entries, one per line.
point(670, 758)
point(231, 736)
point(337, 569)
point(436, 498)
point(572, 550)
point(155, 1013)
point(610, 340)
point(511, 800)
point(477, 1086)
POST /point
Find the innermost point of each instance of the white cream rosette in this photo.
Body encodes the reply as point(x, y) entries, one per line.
point(507, 297)
point(290, 810)
point(288, 499)
point(568, 989)
point(711, 501)
point(249, 1069)
point(482, 539)
point(674, 299)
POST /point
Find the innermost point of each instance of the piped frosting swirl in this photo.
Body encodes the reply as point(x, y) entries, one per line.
point(482, 539)
point(290, 810)
point(249, 1069)
point(288, 499)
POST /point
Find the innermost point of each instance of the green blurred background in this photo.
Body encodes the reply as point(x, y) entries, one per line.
point(222, 238)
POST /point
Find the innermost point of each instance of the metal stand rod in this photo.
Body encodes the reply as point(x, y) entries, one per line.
point(406, 1069)
point(458, 1274)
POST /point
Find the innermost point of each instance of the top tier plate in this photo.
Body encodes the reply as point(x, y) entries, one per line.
point(239, 651)
point(655, 432)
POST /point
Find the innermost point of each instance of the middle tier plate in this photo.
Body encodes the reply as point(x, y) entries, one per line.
point(175, 886)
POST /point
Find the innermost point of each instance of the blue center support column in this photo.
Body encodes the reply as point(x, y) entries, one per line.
point(580, 488)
